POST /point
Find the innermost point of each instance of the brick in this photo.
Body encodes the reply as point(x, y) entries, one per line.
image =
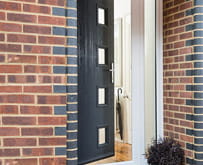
point(168, 46)
point(51, 60)
point(60, 131)
point(21, 79)
point(186, 80)
point(44, 69)
point(19, 142)
point(2, 16)
point(49, 79)
point(173, 66)
point(22, 59)
point(179, 130)
point(173, 38)
point(179, 101)
point(10, 69)
point(52, 161)
point(10, 27)
point(9, 152)
point(173, 121)
point(22, 17)
point(173, 52)
point(186, 65)
point(35, 110)
point(58, 11)
point(59, 79)
point(179, 87)
point(51, 99)
point(52, 120)
point(51, 2)
point(51, 40)
point(179, 115)
point(186, 124)
point(37, 131)
point(72, 12)
point(2, 37)
point(52, 141)
point(45, 79)
point(179, 44)
point(37, 69)
point(51, 20)
point(10, 6)
point(17, 99)
point(60, 110)
point(59, 31)
point(36, 9)
point(186, 138)
point(186, 94)
point(59, 50)
point(37, 49)
point(62, 151)
point(173, 80)
point(37, 89)
point(179, 30)
point(173, 24)
point(179, 59)
point(186, 5)
point(30, 161)
point(186, 50)
point(179, 15)
point(186, 35)
point(2, 58)
point(179, 73)
point(9, 131)
point(10, 89)
point(8, 109)
point(188, 153)
point(10, 48)
point(37, 151)
point(21, 38)
point(168, 32)
point(186, 21)
point(26, 0)
point(173, 107)
point(36, 29)
point(18, 120)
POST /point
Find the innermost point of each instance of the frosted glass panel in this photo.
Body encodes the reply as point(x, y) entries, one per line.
point(101, 95)
point(101, 56)
point(101, 16)
point(102, 136)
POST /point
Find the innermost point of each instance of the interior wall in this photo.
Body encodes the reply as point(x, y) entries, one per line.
point(121, 8)
point(123, 76)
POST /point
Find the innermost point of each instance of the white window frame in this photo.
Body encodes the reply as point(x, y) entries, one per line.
point(138, 88)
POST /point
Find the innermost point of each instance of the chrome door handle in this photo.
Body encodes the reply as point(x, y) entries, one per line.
point(112, 72)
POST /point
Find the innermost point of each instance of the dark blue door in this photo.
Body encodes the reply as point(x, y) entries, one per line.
point(96, 86)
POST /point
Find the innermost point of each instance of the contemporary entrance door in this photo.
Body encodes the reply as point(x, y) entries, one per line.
point(96, 84)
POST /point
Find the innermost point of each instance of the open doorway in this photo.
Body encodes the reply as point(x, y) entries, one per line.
point(122, 84)
point(99, 130)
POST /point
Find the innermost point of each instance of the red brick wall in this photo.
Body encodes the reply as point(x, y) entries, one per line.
point(176, 50)
point(28, 102)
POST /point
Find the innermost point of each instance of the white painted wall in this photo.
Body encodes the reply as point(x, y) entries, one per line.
point(122, 15)
point(150, 47)
point(121, 8)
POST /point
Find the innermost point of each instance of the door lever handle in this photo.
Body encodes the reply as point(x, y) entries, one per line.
point(112, 72)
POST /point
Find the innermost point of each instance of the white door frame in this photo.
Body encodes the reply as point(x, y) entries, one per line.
point(138, 88)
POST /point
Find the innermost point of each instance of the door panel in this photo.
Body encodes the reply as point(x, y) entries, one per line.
point(96, 111)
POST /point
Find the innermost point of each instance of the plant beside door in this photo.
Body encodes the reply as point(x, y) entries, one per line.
point(166, 151)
